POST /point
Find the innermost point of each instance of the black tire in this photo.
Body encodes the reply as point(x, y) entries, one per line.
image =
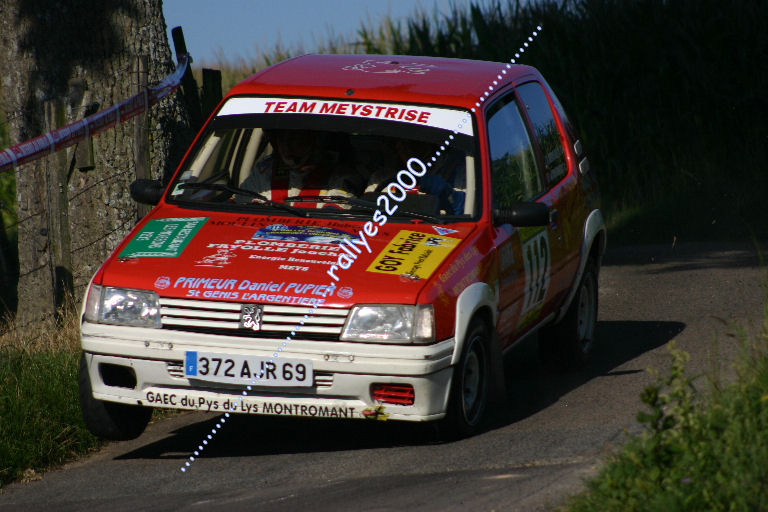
point(108, 420)
point(469, 386)
point(568, 343)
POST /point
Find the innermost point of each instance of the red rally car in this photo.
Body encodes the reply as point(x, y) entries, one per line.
point(351, 236)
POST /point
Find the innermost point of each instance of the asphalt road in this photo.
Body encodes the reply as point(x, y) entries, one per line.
point(552, 433)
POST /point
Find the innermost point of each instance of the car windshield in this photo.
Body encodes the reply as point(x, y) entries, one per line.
point(329, 165)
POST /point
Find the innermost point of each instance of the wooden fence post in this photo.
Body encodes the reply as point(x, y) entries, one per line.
point(188, 84)
point(59, 237)
point(79, 97)
point(141, 134)
point(85, 158)
point(211, 90)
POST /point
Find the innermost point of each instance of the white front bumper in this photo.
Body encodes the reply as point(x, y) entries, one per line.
point(348, 369)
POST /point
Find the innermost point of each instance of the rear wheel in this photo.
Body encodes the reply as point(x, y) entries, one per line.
point(569, 342)
point(469, 386)
point(108, 420)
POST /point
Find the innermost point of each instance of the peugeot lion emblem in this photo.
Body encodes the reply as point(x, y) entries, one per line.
point(250, 317)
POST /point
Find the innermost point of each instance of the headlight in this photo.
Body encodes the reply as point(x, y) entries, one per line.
point(390, 324)
point(121, 306)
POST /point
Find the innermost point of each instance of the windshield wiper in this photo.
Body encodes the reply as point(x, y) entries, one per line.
point(367, 205)
point(237, 190)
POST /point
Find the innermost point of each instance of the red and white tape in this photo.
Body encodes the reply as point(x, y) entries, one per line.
point(68, 135)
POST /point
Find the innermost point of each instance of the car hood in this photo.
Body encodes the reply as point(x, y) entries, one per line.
point(280, 260)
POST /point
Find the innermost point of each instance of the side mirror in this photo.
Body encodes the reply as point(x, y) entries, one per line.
point(522, 214)
point(146, 191)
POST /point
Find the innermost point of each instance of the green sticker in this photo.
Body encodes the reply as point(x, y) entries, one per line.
point(163, 238)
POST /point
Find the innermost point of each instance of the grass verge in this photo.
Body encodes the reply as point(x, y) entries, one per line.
point(40, 421)
point(697, 452)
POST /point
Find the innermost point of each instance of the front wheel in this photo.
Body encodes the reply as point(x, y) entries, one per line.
point(469, 386)
point(569, 342)
point(108, 420)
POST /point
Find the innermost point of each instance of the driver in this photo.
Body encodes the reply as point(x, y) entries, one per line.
point(446, 179)
point(300, 165)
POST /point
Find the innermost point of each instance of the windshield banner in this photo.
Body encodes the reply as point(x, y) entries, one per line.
point(443, 118)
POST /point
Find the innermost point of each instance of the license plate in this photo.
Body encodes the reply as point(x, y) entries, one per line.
point(234, 369)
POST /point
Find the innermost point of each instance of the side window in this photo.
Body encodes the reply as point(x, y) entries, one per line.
point(514, 172)
point(545, 130)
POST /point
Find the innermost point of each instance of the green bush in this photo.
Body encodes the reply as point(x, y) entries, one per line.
point(709, 455)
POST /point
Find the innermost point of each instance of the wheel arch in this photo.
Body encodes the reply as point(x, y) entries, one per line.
point(477, 300)
point(592, 246)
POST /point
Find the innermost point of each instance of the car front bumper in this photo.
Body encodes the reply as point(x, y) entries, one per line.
point(343, 374)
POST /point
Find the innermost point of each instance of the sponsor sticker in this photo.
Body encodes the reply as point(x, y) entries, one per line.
point(345, 292)
point(221, 258)
point(272, 292)
point(537, 263)
point(162, 282)
point(388, 67)
point(444, 231)
point(413, 253)
point(248, 405)
point(296, 253)
point(163, 238)
point(311, 234)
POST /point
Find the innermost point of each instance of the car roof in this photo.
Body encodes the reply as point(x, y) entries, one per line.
point(406, 79)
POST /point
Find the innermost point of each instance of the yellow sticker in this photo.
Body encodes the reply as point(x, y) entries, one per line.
point(413, 252)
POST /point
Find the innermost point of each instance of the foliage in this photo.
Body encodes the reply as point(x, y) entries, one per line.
point(693, 456)
point(673, 144)
point(640, 79)
point(236, 68)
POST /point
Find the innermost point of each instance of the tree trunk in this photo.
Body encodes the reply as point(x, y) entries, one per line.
point(45, 46)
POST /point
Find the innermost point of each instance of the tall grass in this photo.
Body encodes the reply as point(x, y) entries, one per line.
point(667, 95)
point(40, 420)
point(236, 67)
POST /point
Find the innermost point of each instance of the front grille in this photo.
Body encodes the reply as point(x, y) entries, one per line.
point(276, 321)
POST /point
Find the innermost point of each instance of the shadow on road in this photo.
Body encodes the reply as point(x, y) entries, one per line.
point(530, 388)
point(248, 436)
